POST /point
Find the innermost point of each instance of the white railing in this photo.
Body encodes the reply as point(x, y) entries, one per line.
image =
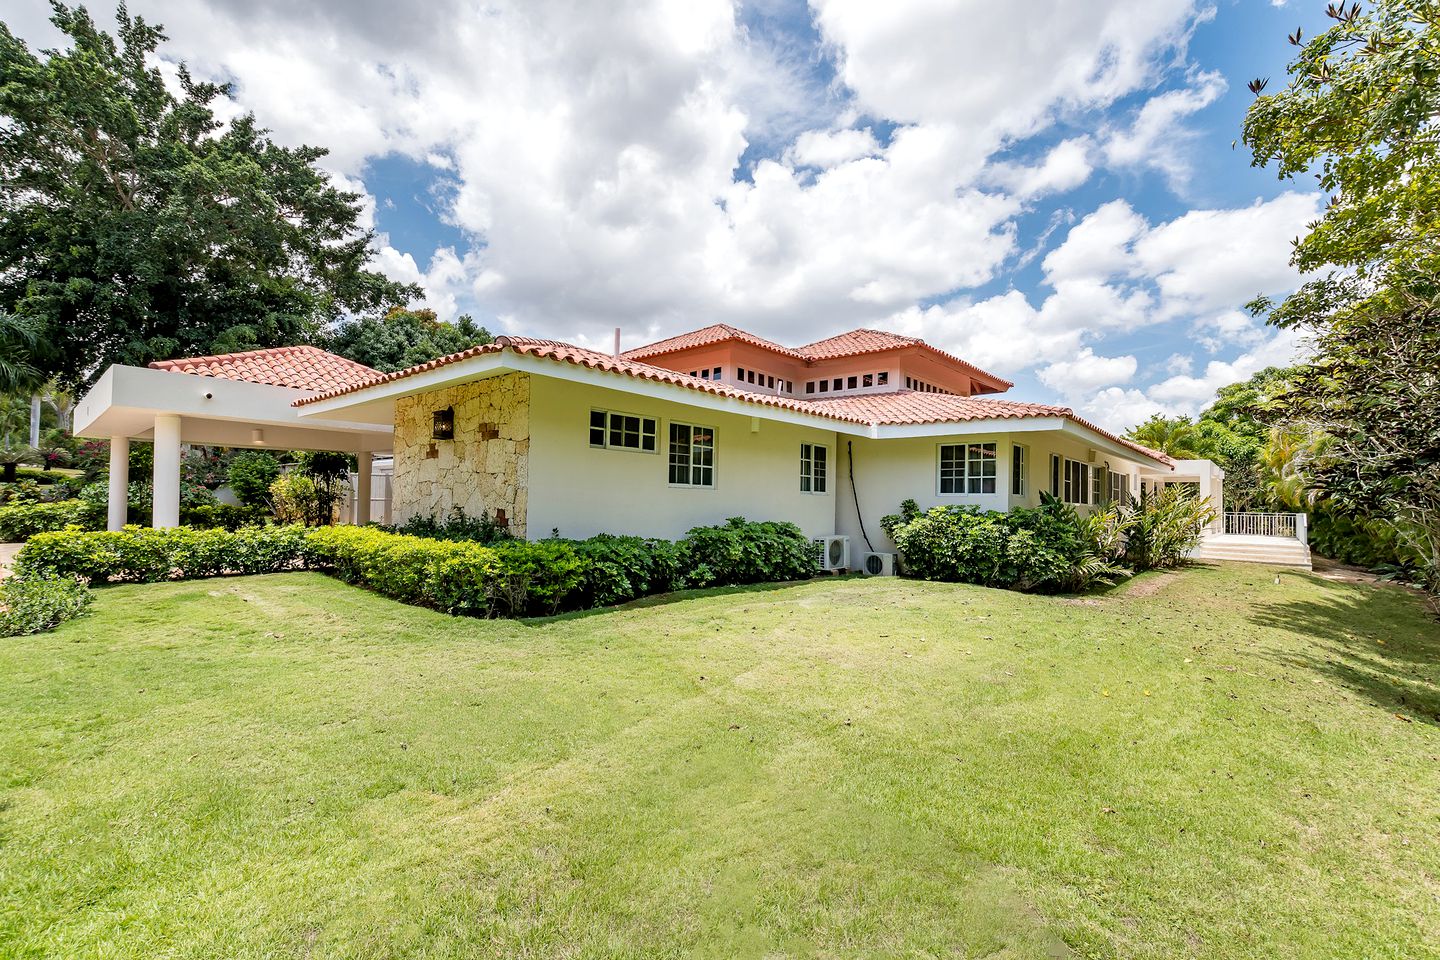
point(1291, 526)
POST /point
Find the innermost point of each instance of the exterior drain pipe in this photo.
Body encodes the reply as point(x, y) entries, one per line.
point(850, 455)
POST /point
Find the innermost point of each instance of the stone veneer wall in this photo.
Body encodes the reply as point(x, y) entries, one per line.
point(484, 469)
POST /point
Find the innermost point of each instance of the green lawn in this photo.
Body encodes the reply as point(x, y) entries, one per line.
point(1203, 764)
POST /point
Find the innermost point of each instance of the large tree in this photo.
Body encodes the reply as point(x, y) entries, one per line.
point(404, 338)
point(1360, 114)
point(134, 225)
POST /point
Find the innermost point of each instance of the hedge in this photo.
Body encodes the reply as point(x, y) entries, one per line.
point(41, 603)
point(509, 578)
point(21, 521)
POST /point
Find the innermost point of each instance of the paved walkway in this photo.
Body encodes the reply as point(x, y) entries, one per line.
point(7, 553)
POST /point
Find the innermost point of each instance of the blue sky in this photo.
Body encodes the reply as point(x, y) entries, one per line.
point(1046, 188)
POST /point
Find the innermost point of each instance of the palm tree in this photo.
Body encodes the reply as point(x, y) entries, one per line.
point(1177, 437)
point(19, 339)
point(1283, 462)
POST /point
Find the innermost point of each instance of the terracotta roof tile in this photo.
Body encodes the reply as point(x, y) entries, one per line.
point(715, 333)
point(908, 406)
point(299, 368)
point(901, 406)
point(854, 343)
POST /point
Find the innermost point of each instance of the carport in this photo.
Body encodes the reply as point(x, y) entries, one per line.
point(230, 400)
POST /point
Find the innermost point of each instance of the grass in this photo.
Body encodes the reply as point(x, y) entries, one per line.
point(1211, 763)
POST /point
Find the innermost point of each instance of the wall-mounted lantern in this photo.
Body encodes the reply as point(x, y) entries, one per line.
point(443, 425)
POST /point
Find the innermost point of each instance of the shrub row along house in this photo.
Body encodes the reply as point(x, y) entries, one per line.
point(691, 430)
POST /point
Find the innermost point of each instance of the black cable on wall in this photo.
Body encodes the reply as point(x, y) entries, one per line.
point(850, 455)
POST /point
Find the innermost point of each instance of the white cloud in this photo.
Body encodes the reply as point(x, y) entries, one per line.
point(820, 148)
point(604, 171)
point(1087, 372)
point(1065, 167)
point(1158, 137)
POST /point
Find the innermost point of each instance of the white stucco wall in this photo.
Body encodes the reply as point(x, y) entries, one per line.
point(891, 470)
point(583, 490)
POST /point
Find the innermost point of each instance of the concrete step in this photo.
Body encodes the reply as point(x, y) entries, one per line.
point(1272, 550)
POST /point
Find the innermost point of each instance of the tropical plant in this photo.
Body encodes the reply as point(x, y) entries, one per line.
point(1174, 436)
point(1165, 527)
point(10, 461)
point(19, 342)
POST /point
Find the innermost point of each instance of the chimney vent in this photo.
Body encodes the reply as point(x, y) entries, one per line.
point(617, 343)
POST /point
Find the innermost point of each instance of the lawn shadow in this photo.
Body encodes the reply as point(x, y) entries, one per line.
point(681, 596)
point(1396, 670)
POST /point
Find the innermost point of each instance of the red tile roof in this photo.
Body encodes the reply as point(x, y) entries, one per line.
point(901, 406)
point(715, 333)
point(851, 344)
point(299, 368)
point(908, 406)
point(858, 342)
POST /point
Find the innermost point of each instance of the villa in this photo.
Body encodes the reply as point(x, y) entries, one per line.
point(691, 430)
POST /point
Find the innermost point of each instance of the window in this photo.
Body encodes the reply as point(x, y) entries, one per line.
point(967, 468)
point(883, 377)
point(740, 374)
point(692, 455)
point(789, 387)
point(1098, 489)
point(852, 383)
point(813, 467)
point(824, 386)
point(1077, 482)
point(836, 384)
point(1019, 471)
point(1056, 464)
point(868, 380)
point(810, 386)
point(1119, 488)
point(622, 431)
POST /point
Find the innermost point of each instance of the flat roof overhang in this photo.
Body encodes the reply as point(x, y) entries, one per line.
point(126, 400)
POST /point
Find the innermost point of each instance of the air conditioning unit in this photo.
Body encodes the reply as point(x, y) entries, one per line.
point(832, 553)
point(878, 565)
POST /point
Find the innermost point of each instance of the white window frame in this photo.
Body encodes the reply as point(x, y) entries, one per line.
point(1019, 470)
point(808, 474)
point(966, 480)
point(1082, 479)
point(669, 455)
point(607, 445)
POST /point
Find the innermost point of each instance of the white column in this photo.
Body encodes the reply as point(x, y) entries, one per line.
point(119, 481)
point(166, 508)
point(364, 467)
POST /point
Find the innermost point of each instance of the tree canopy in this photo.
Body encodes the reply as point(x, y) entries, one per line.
point(404, 338)
point(1359, 113)
point(135, 225)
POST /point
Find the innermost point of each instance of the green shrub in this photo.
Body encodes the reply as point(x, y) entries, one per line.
point(458, 526)
point(250, 474)
point(297, 500)
point(21, 521)
point(145, 555)
point(740, 551)
point(620, 569)
point(42, 477)
point(35, 604)
point(1048, 548)
point(227, 516)
point(515, 578)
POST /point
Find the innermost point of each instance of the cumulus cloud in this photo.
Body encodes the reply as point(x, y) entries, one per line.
point(829, 148)
point(1087, 372)
point(664, 164)
point(1158, 137)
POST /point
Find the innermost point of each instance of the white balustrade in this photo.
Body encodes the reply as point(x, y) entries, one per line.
point(1291, 526)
